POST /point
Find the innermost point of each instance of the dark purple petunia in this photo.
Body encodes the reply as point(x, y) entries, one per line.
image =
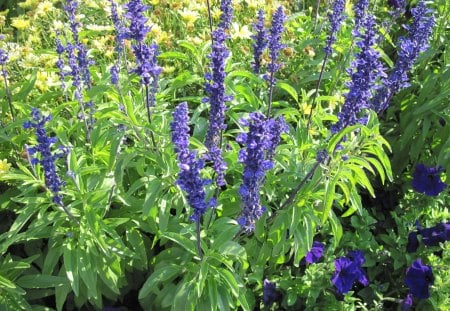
point(315, 253)
point(435, 235)
point(348, 271)
point(47, 158)
point(189, 178)
point(413, 242)
point(407, 303)
point(427, 180)
point(270, 293)
point(418, 278)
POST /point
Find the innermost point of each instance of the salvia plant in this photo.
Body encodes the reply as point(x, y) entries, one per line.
point(223, 155)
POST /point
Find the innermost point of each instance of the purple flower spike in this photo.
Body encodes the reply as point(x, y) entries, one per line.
point(336, 18)
point(189, 178)
point(260, 142)
point(366, 71)
point(418, 278)
point(137, 29)
point(348, 271)
point(409, 49)
point(274, 43)
point(427, 180)
point(260, 38)
point(47, 158)
point(226, 6)
point(215, 88)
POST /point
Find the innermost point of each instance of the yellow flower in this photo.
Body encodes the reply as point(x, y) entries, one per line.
point(188, 16)
point(154, 2)
point(20, 24)
point(168, 69)
point(2, 20)
point(57, 25)
point(29, 4)
point(44, 7)
point(4, 166)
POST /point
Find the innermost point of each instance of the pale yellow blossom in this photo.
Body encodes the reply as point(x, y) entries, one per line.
point(28, 4)
point(99, 28)
point(20, 23)
point(189, 16)
point(4, 166)
point(44, 7)
point(240, 32)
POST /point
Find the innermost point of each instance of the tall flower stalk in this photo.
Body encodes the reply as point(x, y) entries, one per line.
point(275, 45)
point(260, 142)
point(189, 178)
point(3, 60)
point(336, 18)
point(43, 155)
point(366, 71)
point(260, 41)
point(409, 49)
point(145, 54)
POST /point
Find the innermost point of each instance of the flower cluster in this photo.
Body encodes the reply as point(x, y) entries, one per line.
point(274, 43)
point(314, 254)
point(227, 14)
point(3, 57)
point(189, 178)
point(418, 279)
point(430, 236)
point(336, 18)
point(137, 29)
point(348, 271)
point(360, 8)
point(260, 38)
point(259, 143)
point(119, 28)
point(215, 88)
point(47, 158)
point(146, 62)
point(427, 180)
point(365, 72)
point(409, 49)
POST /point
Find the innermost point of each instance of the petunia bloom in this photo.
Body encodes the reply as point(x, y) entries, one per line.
point(270, 293)
point(435, 235)
point(427, 180)
point(348, 271)
point(314, 254)
point(407, 303)
point(418, 278)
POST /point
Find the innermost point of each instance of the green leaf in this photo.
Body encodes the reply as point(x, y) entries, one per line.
point(41, 281)
point(288, 89)
point(174, 55)
point(336, 228)
point(71, 267)
point(181, 241)
point(336, 139)
point(330, 189)
point(161, 275)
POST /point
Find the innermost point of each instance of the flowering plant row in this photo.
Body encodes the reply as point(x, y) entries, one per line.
point(234, 180)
